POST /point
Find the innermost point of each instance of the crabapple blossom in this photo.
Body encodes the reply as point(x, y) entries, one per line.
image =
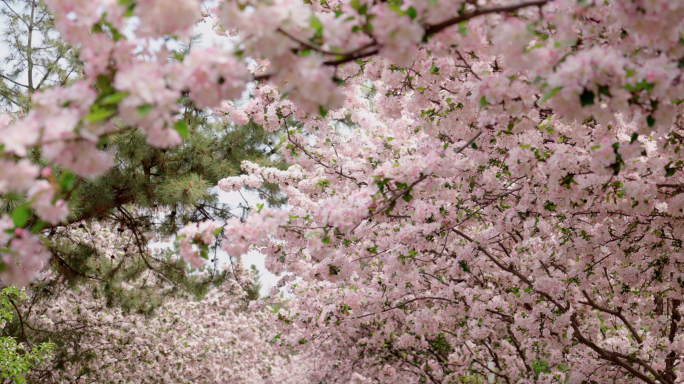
point(194, 235)
point(159, 17)
point(51, 209)
point(17, 176)
point(398, 38)
point(26, 256)
point(241, 237)
point(214, 76)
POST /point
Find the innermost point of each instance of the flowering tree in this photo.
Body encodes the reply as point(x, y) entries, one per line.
point(506, 205)
point(212, 340)
point(479, 187)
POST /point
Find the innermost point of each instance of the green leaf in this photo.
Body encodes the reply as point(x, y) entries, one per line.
point(650, 121)
point(361, 9)
point(643, 84)
point(669, 172)
point(104, 85)
point(434, 69)
point(604, 90)
point(113, 99)
point(38, 226)
point(143, 110)
point(182, 128)
point(412, 12)
point(272, 341)
point(463, 28)
point(100, 115)
point(568, 180)
point(116, 35)
point(396, 8)
point(550, 206)
point(587, 98)
point(20, 216)
point(407, 197)
point(103, 142)
point(550, 94)
point(483, 102)
point(67, 179)
point(326, 240)
point(317, 25)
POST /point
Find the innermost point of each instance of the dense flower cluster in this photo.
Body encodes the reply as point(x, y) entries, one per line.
point(214, 340)
point(194, 240)
point(26, 258)
point(211, 341)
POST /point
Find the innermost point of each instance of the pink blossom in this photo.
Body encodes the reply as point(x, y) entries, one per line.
point(159, 17)
point(213, 76)
point(194, 235)
point(397, 35)
point(44, 203)
point(17, 177)
point(25, 260)
point(5, 120)
point(80, 156)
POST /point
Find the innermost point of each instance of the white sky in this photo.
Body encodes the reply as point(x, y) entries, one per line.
point(266, 278)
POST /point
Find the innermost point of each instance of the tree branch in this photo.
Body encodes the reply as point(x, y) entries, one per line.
point(609, 356)
point(617, 313)
point(432, 29)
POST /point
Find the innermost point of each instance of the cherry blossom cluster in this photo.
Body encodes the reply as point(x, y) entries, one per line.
point(241, 236)
point(26, 257)
point(194, 241)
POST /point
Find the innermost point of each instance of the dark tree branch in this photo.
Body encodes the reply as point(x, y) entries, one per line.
point(617, 313)
point(432, 29)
